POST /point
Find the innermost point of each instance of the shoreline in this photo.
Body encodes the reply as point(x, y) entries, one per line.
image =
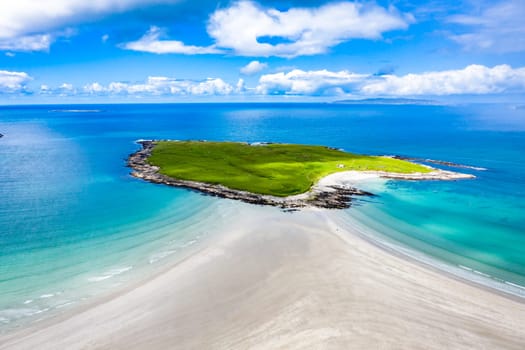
point(330, 192)
point(460, 273)
point(282, 280)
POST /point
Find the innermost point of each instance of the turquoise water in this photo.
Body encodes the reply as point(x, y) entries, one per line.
point(74, 224)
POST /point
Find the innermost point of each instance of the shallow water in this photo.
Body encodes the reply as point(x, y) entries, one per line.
point(74, 224)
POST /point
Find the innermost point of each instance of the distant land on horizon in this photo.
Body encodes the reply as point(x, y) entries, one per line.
point(390, 101)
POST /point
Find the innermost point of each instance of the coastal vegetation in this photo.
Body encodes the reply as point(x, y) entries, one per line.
point(274, 169)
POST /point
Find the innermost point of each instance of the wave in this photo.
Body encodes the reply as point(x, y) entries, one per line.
point(75, 110)
point(110, 273)
point(159, 256)
point(13, 314)
point(46, 296)
point(189, 243)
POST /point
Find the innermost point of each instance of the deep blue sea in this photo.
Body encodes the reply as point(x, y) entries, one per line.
point(74, 224)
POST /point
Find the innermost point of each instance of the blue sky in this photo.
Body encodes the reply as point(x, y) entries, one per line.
point(64, 51)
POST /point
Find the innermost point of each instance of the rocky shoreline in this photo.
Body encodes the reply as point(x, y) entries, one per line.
point(325, 194)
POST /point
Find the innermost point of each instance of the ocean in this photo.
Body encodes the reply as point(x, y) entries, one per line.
point(74, 224)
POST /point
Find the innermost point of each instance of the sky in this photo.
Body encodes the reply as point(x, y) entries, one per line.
point(111, 51)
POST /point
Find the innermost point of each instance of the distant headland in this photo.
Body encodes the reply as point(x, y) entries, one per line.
point(389, 101)
point(284, 175)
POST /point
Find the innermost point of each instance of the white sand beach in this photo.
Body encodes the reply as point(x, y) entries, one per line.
point(280, 280)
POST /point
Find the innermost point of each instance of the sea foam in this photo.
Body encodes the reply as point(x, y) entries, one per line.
point(109, 274)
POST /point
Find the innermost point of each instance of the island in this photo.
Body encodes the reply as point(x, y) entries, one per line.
point(284, 175)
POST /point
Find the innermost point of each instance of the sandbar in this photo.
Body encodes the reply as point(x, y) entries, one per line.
point(277, 280)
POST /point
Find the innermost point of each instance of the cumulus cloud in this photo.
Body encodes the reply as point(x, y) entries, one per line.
point(299, 82)
point(151, 42)
point(240, 86)
point(163, 86)
point(251, 30)
point(212, 87)
point(474, 79)
point(253, 67)
point(499, 26)
point(248, 29)
point(65, 89)
point(94, 88)
point(13, 82)
point(34, 21)
point(66, 86)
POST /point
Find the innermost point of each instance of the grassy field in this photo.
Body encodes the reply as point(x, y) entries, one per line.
point(276, 169)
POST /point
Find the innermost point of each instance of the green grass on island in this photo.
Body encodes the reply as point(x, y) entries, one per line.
point(275, 169)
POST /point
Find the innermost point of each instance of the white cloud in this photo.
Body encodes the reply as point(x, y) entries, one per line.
point(474, 79)
point(38, 42)
point(34, 21)
point(253, 67)
point(163, 86)
point(151, 42)
point(66, 86)
point(240, 86)
point(248, 29)
point(94, 88)
point(299, 82)
point(243, 27)
point(65, 89)
point(22, 17)
point(12, 82)
point(499, 27)
point(212, 87)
